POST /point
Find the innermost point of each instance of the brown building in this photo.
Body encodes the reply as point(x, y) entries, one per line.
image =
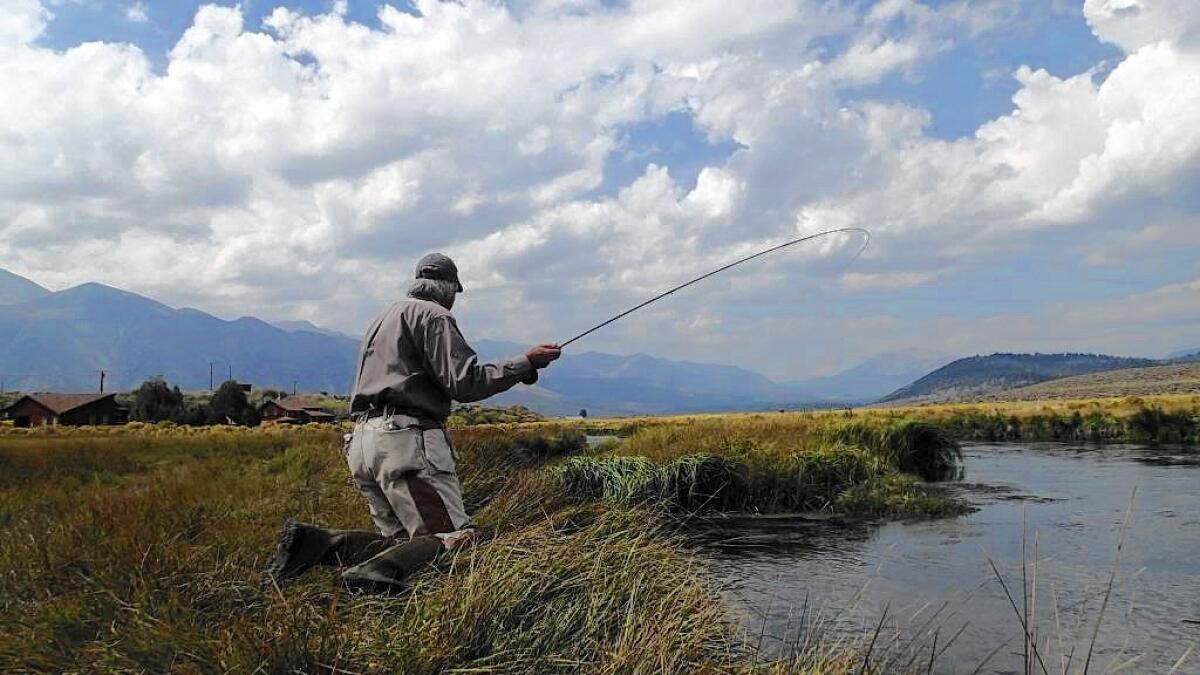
point(293, 411)
point(35, 410)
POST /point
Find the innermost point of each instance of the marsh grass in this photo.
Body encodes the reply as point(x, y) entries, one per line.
point(773, 464)
point(909, 445)
point(141, 551)
point(156, 568)
point(1166, 419)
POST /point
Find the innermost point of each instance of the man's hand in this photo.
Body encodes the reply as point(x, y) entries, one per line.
point(541, 355)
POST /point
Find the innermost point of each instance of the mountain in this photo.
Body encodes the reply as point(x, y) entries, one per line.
point(309, 327)
point(1185, 355)
point(610, 384)
point(872, 378)
point(637, 384)
point(16, 289)
point(61, 340)
point(980, 375)
point(1183, 352)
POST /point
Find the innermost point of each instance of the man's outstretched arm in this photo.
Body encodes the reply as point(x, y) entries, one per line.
point(456, 366)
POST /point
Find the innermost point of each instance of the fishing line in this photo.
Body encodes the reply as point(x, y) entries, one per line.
point(866, 241)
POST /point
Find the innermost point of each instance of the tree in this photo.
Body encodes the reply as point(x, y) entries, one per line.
point(193, 415)
point(229, 403)
point(156, 401)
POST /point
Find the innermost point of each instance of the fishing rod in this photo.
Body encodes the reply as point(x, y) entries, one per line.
point(866, 241)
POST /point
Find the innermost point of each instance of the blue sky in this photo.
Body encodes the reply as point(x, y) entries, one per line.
point(1024, 166)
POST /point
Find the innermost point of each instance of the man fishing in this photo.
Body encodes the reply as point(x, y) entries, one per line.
point(412, 364)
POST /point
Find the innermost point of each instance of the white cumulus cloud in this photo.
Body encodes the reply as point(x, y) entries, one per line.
point(298, 167)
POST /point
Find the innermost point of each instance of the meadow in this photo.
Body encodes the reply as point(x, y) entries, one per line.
point(140, 548)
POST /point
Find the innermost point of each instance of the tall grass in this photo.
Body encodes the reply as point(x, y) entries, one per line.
point(142, 550)
point(911, 446)
point(773, 464)
point(1168, 419)
point(150, 561)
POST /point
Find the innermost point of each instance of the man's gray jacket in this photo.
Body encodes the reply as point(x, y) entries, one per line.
point(414, 361)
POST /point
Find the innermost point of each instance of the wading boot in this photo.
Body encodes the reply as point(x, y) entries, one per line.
point(303, 546)
point(389, 571)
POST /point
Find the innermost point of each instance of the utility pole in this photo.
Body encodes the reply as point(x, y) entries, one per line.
point(210, 375)
point(230, 372)
point(102, 374)
point(293, 388)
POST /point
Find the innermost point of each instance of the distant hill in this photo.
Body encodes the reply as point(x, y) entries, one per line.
point(981, 375)
point(612, 384)
point(871, 379)
point(1177, 378)
point(1186, 354)
point(16, 289)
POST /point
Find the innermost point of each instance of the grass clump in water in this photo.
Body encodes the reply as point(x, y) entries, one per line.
point(758, 468)
point(690, 483)
point(911, 446)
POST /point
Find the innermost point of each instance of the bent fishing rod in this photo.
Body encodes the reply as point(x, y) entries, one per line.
point(866, 241)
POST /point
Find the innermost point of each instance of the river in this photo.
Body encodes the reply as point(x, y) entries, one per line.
point(922, 578)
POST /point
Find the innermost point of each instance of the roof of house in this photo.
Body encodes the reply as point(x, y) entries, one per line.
point(293, 404)
point(62, 403)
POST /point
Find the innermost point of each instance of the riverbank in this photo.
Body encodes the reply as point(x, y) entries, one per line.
point(141, 548)
point(1166, 419)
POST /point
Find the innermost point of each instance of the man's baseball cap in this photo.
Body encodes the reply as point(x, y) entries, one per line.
point(438, 266)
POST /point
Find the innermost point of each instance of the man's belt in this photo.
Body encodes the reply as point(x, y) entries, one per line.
point(419, 419)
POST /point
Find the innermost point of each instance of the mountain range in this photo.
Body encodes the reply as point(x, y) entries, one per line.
point(62, 340)
point(612, 384)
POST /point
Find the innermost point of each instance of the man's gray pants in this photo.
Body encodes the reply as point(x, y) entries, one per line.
point(407, 473)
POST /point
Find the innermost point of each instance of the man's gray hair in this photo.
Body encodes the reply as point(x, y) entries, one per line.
point(440, 291)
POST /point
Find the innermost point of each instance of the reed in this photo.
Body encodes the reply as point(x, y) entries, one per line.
point(771, 464)
point(910, 445)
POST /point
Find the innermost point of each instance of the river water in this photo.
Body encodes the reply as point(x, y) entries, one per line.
point(930, 577)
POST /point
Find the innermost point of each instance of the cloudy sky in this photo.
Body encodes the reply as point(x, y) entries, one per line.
point(1030, 170)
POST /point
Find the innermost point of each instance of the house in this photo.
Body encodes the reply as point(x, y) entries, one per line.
point(293, 411)
point(35, 410)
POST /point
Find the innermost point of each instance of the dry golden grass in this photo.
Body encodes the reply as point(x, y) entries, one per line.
point(140, 550)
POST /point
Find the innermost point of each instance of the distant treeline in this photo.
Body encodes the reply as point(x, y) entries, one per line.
point(158, 401)
point(1147, 424)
